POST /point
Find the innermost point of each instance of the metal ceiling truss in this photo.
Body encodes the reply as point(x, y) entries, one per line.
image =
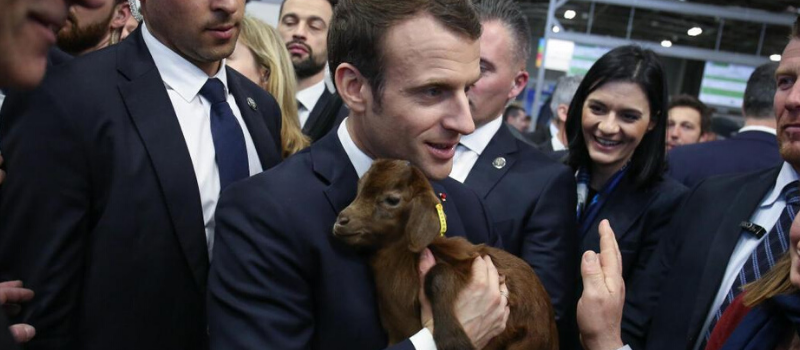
point(686, 52)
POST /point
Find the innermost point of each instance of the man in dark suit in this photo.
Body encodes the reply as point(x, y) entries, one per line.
point(279, 276)
point(559, 105)
point(304, 24)
point(531, 198)
point(515, 116)
point(110, 218)
point(725, 225)
point(753, 148)
point(22, 66)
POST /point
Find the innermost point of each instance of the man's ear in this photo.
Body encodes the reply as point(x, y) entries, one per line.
point(562, 112)
point(122, 12)
point(423, 222)
point(352, 87)
point(520, 82)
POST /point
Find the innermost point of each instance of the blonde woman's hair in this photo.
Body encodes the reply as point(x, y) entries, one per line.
point(775, 282)
point(271, 54)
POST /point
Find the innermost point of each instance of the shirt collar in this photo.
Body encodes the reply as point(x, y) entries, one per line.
point(553, 129)
point(555, 141)
point(785, 177)
point(360, 160)
point(758, 128)
point(478, 140)
point(178, 73)
point(310, 95)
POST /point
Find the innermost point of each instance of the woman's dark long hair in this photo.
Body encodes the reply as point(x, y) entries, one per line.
point(625, 64)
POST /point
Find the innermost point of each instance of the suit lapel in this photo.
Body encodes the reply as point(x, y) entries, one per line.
point(455, 226)
point(726, 237)
point(625, 205)
point(331, 163)
point(485, 175)
point(152, 113)
point(313, 116)
point(262, 140)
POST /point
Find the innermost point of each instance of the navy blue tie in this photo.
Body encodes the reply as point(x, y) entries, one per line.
point(227, 134)
point(763, 258)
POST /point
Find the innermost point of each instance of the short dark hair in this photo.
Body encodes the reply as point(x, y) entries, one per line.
point(759, 95)
point(280, 11)
point(684, 100)
point(796, 28)
point(513, 110)
point(358, 31)
point(625, 64)
point(509, 13)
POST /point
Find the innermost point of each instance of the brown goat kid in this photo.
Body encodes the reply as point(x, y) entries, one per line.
point(394, 216)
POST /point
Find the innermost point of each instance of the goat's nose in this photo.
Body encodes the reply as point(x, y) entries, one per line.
point(343, 220)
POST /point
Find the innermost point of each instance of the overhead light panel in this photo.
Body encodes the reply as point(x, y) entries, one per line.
point(556, 29)
point(570, 14)
point(775, 58)
point(695, 31)
point(666, 43)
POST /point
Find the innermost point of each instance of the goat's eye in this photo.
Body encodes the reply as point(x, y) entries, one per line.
point(392, 200)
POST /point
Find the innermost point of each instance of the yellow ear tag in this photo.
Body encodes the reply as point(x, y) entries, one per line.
point(442, 219)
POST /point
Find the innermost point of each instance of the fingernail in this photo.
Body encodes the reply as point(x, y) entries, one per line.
point(590, 257)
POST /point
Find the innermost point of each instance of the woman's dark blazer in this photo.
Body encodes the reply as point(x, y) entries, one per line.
point(639, 218)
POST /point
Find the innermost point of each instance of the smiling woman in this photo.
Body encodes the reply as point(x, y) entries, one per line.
point(616, 128)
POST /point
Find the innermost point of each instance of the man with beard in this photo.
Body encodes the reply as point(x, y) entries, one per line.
point(729, 231)
point(304, 25)
point(90, 30)
point(111, 221)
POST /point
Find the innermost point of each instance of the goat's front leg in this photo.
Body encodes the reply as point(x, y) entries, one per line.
point(442, 284)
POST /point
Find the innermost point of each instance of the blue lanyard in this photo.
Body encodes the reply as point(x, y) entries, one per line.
point(599, 199)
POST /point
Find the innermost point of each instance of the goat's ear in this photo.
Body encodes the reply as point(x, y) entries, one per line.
point(423, 222)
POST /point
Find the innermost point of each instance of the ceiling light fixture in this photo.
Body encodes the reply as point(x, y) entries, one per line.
point(570, 14)
point(556, 29)
point(695, 31)
point(775, 57)
point(666, 43)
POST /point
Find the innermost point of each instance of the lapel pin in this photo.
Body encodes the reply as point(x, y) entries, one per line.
point(443, 197)
point(499, 162)
point(252, 103)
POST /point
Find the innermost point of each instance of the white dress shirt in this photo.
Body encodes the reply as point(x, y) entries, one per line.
point(758, 128)
point(555, 141)
point(470, 148)
point(423, 340)
point(308, 98)
point(766, 216)
point(183, 81)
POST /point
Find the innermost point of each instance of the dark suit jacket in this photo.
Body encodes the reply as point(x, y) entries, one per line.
point(546, 146)
point(280, 278)
point(100, 213)
point(329, 111)
point(54, 57)
point(686, 270)
point(532, 204)
point(746, 152)
point(640, 219)
point(6, 340)
point(541, 134)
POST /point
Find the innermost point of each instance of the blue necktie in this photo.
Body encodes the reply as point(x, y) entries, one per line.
point(763, 258)
point(231, 152)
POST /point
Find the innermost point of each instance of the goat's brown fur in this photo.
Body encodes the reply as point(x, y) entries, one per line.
point(394, 215)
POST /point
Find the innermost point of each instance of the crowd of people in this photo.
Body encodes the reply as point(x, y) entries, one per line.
point(172, 171)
